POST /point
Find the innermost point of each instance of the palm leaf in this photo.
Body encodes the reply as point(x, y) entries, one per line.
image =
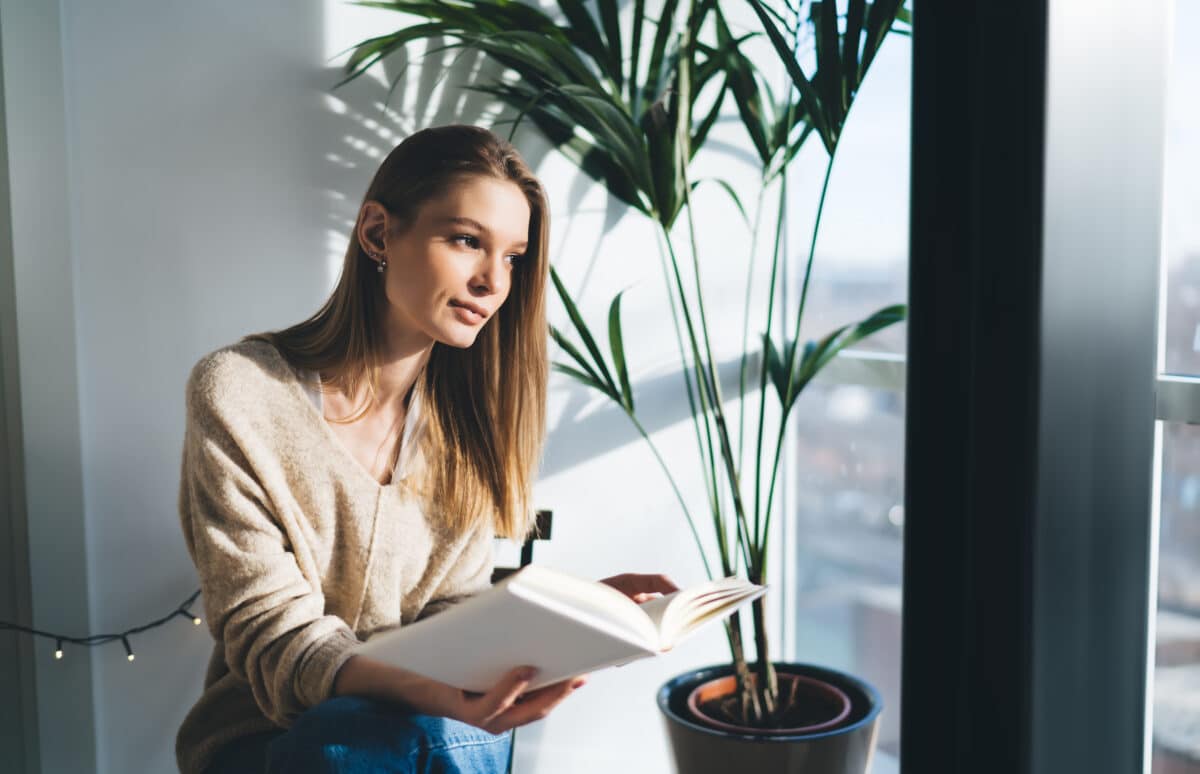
point(828, 78)
point(729, 190)
point(635, 51)
point(808, 92)
point(880, 17)
point(826, 97)
point(616, 342)
point(585, 334)
point(576, 355)
point(582, 378)
point(570, 83)
point(612, 31)
point(657, 76)
point(583, 31)
point(595, 157)
point(850, 43)
point(820, 353)
point(742, 81)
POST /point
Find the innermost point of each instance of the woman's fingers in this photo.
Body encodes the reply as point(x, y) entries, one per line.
point(505, 706)
point(503, 695)
point(536, 704)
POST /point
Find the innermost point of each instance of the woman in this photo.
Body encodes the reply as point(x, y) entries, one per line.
point(350, 473)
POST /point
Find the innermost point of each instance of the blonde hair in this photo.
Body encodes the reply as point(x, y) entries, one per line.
point(484, 406)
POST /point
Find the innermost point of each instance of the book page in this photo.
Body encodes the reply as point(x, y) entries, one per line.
point(472, 645)
point(680, 614)
point(597, 604)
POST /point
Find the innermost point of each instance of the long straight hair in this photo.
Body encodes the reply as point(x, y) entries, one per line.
point(485, 405)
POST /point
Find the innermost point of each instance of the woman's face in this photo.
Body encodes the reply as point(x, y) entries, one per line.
point(450, 270)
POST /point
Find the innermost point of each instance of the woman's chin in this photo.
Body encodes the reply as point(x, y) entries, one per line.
point(461, 339)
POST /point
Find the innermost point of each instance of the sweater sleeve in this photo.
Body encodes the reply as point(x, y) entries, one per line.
point(268, 616)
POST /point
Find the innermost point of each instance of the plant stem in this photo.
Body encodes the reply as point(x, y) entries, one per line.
point(768, 683)
point(664, 255)
point(707, 403)
point(751, 709)
point(774, 475)
point(741, 447)
point(735, 488)
point(812, 250)
point(762, 374)
point(678, 496)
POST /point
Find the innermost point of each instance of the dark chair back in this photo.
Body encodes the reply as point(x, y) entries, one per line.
point(540, 532)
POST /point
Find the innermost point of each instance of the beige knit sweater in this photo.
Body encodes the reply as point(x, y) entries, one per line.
point(300, 551)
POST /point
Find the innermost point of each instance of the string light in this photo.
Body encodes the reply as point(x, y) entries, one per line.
point(183, 611)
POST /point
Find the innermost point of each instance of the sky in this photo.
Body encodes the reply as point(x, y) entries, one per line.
point(1183, 139)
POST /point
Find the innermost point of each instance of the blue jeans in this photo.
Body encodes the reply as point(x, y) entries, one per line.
point(353, 735)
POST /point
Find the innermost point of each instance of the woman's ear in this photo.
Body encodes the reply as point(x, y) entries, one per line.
point(372, 227)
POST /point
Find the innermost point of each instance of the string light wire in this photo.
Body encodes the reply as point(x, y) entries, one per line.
point(182, 611)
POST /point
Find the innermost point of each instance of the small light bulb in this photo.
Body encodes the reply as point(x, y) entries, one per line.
point(130, 657)
point(197, 621)
point(128, 650)
point(58, 653)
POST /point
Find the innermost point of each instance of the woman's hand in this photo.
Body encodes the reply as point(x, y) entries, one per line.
point(507, 705)
point(503, 707)
point(641, 588)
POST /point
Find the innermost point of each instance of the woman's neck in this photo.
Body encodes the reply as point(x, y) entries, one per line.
point(397, 375)
point(400, 365)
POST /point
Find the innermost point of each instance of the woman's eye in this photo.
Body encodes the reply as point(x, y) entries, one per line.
point(466, 240)
point(513, 258)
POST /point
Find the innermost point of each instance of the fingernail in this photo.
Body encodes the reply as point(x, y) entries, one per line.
point(578, 683)
point(528, 673)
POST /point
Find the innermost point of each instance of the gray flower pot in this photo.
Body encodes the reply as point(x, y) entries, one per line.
point(699, 749)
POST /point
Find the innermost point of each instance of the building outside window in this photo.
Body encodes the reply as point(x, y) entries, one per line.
point(1176, 682)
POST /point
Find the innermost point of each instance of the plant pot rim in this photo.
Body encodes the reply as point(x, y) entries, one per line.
point(702, 674)
point(822, 686)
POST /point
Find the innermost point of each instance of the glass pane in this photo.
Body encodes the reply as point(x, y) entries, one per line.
point(847, 480)
point(1181, 238)
point(1177, 649)
point(850, 515)
point(860, 264)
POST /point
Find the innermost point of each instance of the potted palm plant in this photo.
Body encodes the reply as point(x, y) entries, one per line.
point(631, 100)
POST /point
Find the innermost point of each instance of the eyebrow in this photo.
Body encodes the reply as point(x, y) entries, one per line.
point(463, 221)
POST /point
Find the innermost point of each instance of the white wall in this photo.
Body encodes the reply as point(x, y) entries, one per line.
point(210, 180)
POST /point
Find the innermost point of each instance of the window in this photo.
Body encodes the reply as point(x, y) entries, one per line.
point(845, 493)
point(1176, 682)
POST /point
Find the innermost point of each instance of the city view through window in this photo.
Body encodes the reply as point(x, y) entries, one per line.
point(1176, 689)
point(848, 461)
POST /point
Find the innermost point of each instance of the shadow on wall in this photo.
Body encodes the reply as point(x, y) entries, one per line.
point(607, 428)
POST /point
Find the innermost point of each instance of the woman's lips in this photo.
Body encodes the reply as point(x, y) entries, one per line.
point(466, 314)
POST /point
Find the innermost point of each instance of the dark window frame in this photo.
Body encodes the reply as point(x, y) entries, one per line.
point(1031, 386)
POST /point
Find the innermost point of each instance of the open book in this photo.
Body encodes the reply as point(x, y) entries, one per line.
point(563, 625)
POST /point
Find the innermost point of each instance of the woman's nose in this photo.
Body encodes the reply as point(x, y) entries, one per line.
point(491, 274)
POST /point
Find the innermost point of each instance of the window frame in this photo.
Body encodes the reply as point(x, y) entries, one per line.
point(1030, 450)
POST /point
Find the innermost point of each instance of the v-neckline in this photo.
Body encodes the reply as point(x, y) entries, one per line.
point(393, 481)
